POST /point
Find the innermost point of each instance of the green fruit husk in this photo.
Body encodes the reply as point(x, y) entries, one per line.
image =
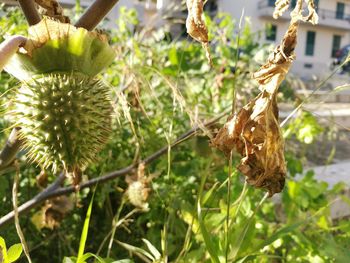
point(57, 47)
point(65, 119)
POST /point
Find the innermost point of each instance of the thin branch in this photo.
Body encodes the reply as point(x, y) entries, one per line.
point(55, 189)
point(95, 13)
point(8, 153)
point(15, 210)
point(30, 11)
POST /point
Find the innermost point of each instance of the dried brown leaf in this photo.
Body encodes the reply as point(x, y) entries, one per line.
point(283, 5)
point(254, 132)
point(53, 212)
point(53, 9)
point(280, 7)
point(195, 25)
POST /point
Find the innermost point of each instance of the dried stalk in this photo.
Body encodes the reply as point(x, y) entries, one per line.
point(30, 11)
point(95, 13)
point(15, 209)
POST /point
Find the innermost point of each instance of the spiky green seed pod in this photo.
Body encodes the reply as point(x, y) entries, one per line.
point(64, 119)
point(64, 113)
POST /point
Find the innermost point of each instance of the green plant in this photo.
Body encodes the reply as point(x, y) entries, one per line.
point(10, 255)
point(160, 88)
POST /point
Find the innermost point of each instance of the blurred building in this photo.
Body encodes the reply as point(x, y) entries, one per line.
point(317, 44)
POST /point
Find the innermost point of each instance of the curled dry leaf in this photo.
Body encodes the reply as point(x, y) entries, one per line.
point(52, 9)
point(280, 7)
point(53, 212)
point(254, 132)
point(195, 25)
point(283, 5)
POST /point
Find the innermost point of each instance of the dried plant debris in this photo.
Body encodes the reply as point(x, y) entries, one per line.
point(280, 7)
point(52, 212)
point(283, 5)
point(195, 25)
point(53, 9)
point(254, 132)
point(138, 188)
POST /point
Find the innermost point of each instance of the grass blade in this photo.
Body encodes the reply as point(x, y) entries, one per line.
point(85, 231)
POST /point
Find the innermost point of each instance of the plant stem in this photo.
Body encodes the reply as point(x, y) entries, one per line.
point(8, 153)
point(114, 226)
point(228, 205)
point(15, 209)
point(30, 11)
point(95, 13)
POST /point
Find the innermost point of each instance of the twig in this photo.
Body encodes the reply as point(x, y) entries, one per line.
point(15, 209)
point(8, 153)
point(56, 190)
point(30, 11)
point(95, 13)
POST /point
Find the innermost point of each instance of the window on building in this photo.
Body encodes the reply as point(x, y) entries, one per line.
point(310, 43)
point(271, 2)
point(271, 32)
point(336, 45)
point(339, 13)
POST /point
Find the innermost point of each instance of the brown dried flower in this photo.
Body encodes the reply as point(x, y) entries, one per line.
point(138, 190)
point(195, 25)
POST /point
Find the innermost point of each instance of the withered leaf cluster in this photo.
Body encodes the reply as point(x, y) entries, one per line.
point(138, 188)
point(254, 132)
point(53, 9)
point(52, 212)
point(195, 24)
point(281, 6)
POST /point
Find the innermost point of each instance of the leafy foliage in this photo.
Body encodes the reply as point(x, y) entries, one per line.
point(161, 88)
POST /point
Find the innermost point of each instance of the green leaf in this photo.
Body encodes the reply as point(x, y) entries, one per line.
point(152, 249)
point(3, 249)
point(136, 250)
point(283, 231)
point(90, 255)
point(85, 231)
point(207, 238)
point(14, 252)
point(69, 260)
